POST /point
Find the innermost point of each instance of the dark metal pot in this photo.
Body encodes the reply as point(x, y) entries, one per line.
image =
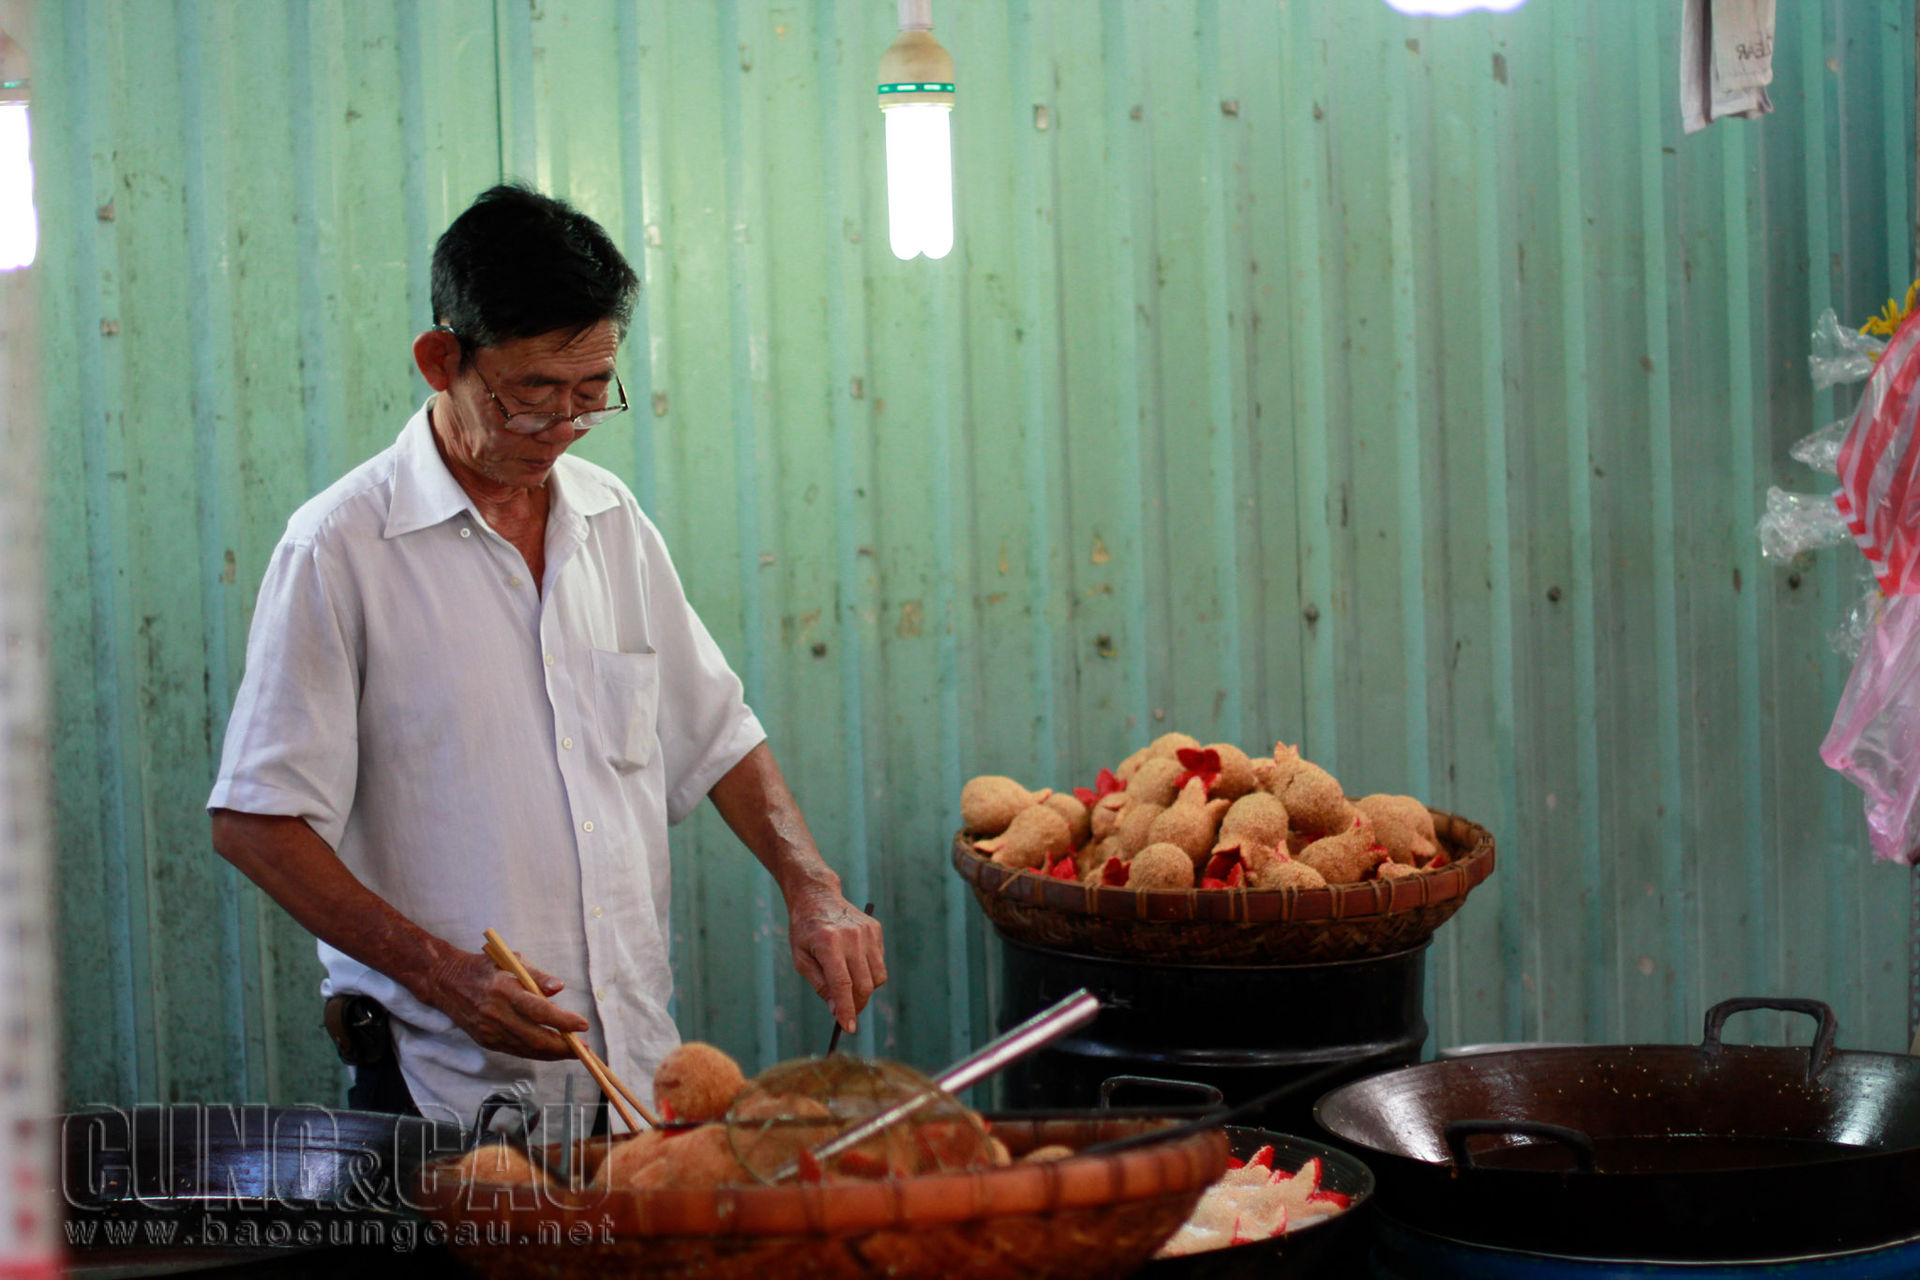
point(1708, 1151)
point(1241, 1028)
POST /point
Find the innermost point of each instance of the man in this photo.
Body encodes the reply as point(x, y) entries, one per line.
point(476, 696)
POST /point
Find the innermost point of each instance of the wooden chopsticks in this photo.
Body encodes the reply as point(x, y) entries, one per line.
point(503, 958)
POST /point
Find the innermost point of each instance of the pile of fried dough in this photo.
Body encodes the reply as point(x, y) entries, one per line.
point(723, 1130)
point(1177, 814)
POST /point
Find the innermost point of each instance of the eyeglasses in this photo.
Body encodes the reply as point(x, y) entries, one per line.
point(532, 424)
point(526, 423)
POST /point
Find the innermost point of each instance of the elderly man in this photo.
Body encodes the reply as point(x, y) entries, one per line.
point(476, 696)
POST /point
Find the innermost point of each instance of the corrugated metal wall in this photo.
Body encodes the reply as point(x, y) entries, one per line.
point(1405, 388)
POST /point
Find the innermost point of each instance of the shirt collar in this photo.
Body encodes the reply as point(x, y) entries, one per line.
point(425, 492)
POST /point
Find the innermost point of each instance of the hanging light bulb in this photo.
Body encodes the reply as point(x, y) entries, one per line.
point(916, 99)
point(1449, 8)
point(19, 231)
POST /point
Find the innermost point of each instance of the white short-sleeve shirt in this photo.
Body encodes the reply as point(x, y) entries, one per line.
point(485, 753)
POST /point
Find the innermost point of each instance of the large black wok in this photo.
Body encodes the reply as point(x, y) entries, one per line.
point(156, 1189)
point(1660, 1152)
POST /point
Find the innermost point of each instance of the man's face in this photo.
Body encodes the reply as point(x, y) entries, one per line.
point(557, 373)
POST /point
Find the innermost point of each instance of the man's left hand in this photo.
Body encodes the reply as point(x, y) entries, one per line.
point(837, 948)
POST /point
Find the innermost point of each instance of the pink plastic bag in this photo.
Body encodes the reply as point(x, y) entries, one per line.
point(1879, 465)
point(1875, 739)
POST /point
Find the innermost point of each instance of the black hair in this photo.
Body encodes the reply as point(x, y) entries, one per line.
point(518, 264)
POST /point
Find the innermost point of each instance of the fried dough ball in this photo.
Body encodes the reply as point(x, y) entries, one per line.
point(1052, 1151)
point(1156, 781)
point(1136, 827)
point(1255, 855)
point(1282, 872)
point(1165, 747)
point(1161, 866)
point(1403, 825)
point(591, 1153)
point(627, 1157)
point(1236, 772)
point(775, 1128)
point(1347, 858)
point(1106, 814)
point(781, 1106)
point(1092, 856)
point(1191, 823)
point(1315, 803)
point(946, 1145)
point(1038, 837)
point(1258, 817)
point(1267, 776)
point(1128, 767)
point(695, 1160)
point(990, 803)
point(1079, 821)
point(1396, 871)
point(1169, 745)
point(1286, 762)
point(498, 1163)
point(697, 1082)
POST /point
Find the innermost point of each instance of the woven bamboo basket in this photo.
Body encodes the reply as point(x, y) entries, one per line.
point(1084, 1216)
point(1232, 926)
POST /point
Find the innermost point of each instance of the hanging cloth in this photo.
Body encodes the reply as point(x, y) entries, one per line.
point(1726, 60)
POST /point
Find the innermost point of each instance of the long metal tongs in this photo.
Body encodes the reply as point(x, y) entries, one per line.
point(1036, 1032)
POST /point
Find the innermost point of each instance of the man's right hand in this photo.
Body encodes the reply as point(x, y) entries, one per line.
point(302, 873)
point(499, 1013)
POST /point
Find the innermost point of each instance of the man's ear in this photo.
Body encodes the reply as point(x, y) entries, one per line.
point(437, 352)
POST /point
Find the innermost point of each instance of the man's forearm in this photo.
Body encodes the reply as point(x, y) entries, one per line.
point(836, 947)
point(301, 872)
point(761, 811)
point(298, 870)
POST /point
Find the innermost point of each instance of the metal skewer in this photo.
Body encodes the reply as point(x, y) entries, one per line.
point(1036, 1032)
point(833, 1042)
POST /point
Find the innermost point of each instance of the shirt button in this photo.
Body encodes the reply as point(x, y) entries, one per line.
point(599, 993)
point(566, 744)
point(596, 913)
point(466, 533)
point(549, 659)
point(514, 581)
point(587, 825)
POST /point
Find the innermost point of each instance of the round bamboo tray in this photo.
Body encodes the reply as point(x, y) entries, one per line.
point(1232, 926)
point(1085, 1216)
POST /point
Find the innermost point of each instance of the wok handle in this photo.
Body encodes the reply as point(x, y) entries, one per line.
point(1208, 1095)
point(1822, 1013)
point(1458, 1131)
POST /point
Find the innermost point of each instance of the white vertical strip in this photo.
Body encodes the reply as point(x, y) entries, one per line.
point(28, 1249)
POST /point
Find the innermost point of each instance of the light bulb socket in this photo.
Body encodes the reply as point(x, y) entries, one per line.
point(915, 69)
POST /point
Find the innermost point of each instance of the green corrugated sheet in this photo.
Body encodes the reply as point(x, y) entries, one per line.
point(1404, 388)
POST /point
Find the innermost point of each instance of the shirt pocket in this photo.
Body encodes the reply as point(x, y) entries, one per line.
point(627, 688)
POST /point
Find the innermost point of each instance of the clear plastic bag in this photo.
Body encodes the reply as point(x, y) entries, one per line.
point(1841, 354)
point(1848, 638)
point(1875, 739)
point(1797, 522)
point(1821, 450)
